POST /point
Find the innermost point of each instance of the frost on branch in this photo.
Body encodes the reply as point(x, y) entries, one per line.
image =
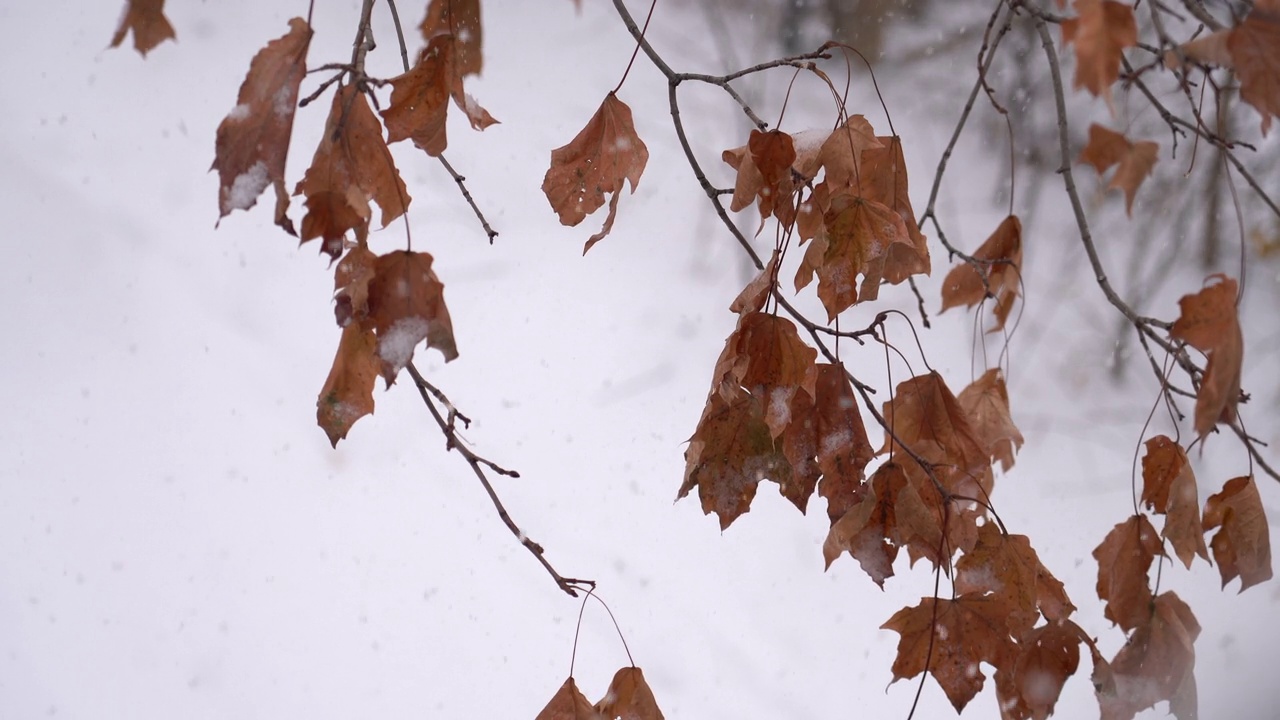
point(147, 21)
point(253, 139)
point(351, 167)
point(600, 158)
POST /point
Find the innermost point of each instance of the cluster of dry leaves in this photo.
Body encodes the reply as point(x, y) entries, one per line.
point(774, 412)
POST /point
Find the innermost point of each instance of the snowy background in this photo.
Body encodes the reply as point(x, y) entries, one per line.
point(177, 539)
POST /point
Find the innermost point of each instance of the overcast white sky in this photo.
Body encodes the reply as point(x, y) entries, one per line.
point(177, 539)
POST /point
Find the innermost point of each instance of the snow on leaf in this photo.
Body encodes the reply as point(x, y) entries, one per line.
point(1242, 547)
point(1124, 557)
point(1169, 488)
point(253, 139)
point(776, 365)
point(924, 416)
point(460, 18)
point(1101, 30)
point(406, 306)
point(1209, 322)
point(1007, 566)
point(997, 274)
point(604, 154)
point(352, 166)
point(420, 98)
point(1255, 51)
point(865, 529)
point(629, 698)
point(347, 394)
point(986, 402)
point(147, 21)
point(1133, 160)
point(568, 704)
point(962, 633)
point(843, 449)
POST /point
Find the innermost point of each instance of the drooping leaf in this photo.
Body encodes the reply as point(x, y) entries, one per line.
point(147, 21)
point(925, 417)
point(604, 154)
point(568, 704)
point(351, 167)
point(351, 285)
point(1255, 50)
point(1156, 664)
point(1134, 160)
point(753, 297)
point(347, 394)
point(997, 275)
point(1242, 547)
point(841, 155)
point(629, 698)
point(1007, 566)
point(773, 195)
point(253, 139)
point(1209, 322)
point(1101, 31)
point(1124, 557)
point(842, 447)
point(460, 18)
point(1046, 657)
point(774, 364)
point(986, 402)
point(859, 234)
point(406, 306)
point(420, 98)
point(866, 530)
point(965, 631)
point(1169, 488)
point(883, 178)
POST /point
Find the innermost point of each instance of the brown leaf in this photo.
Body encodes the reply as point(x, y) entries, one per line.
point(351, 285)
point(1101, 31)
point(568, 704)
point(253, 139)
point(597, 161)
point(866, 529)
point(1047, 656)
point(884, 180)
point(773, 194)
point(352, 166)
point(1155, 664)
point(420, 98)
point(1242, 548)
point(347, 394)
point(754, 296)
point(986, 402)
point(1209, 49)
point(629, 698)
point(406, 306)
point(774, 364)
point(997, 275)
point(1134, 160)
point(858, 238)
point(841, 154)
point(1007, 566)
point(924, 416)
point(966, 631)
point(460, 18)
point(147, 21)
point(730, 452)
point(1124, 558)
point(1169, 488)
point(1208, 321)
point(1255, 50)
point(843, 449)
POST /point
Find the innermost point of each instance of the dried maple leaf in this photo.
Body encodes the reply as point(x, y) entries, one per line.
point(858, 238)
point(753, 297)
point(1242, 547)
point(253, 139)
point(1124, 557)
point(961, 633)
point(1007, 566)
point(629, 698)
point(1046, 657)
point(568, 704)
point(842, 152)
point(883, 178)
point(347, 394)
point(729, 453)
point(1169, 488)
point(351, 285)
point(460, 18)
point(986, 402)
point(774, 364)
point(1255, 51)
point(1134, 160)
point(924, 416)
point(1155, 664)
point(842, 447)
point(406, 306)
point(1208, 49)
point(773, 194)
point(352, 166)
point(147, 21)
point(1208, 321)
point(603, 155)
point(1101, 30)
point(866, 529)
point(997, 273)
point(420, 98)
